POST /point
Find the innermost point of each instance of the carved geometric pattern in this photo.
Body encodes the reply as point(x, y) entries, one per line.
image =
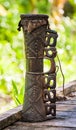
point(50, 77)
point(40, 93)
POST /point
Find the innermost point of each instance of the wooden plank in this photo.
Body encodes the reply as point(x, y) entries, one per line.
point(60, 122)
point(68, 105)
point(37, 128)
point(65, 119)
point(65, 114)
point(10, 117)
point(56, 124)
point(71, 101)
point(68, 88)
point(62, 107)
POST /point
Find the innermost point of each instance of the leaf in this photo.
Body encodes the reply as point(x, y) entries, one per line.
point(18, 101)
point(15, 87)
point(22, 91)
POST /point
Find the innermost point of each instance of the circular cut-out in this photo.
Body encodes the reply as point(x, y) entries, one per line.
point(51, 95)
point(48, 47)
point(44, 53)
point(51, 82)
point(47, 65)
point(51, 41)
point(46, 80)
point(46, 96)
point(46, 38)
point(52, 111)
point(48, 89)
point(48, 109)
point(50, 52)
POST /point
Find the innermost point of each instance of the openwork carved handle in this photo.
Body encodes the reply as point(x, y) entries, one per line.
point(50, 76)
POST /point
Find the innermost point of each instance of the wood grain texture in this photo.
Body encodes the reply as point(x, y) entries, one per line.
point(68, 88)
point(65, 118)
point(10, 117)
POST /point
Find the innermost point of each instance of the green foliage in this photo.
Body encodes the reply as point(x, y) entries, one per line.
point(67, 49)
point(70, 8)
point(43, 6)
point(18, 93)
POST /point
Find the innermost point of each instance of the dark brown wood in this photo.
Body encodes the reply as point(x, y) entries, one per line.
point(38, 92)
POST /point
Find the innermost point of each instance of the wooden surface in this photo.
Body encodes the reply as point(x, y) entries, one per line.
point(68, 88)
point(65, 119)
point(10, 117)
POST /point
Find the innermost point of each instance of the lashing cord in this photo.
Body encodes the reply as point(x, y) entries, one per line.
point(61, 74)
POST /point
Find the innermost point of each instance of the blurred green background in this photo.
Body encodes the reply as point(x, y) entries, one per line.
point(62, 18)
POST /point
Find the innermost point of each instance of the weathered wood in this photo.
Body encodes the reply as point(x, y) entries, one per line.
point(37, 128)
point(60, 123)
point(65, 114)
point(65, 119)
point(62, 107)
point(10, 117)
point(68, 88)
